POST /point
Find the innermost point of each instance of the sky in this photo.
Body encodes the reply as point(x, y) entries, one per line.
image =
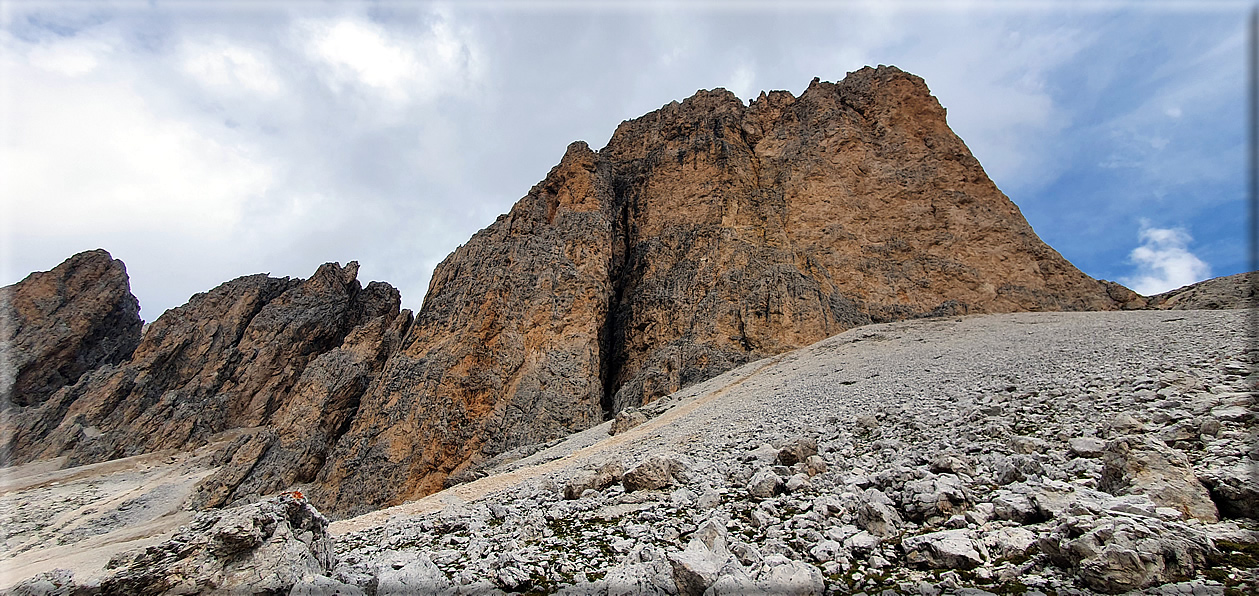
point(202, 141)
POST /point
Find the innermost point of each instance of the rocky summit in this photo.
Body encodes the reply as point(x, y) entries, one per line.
point(59, 324)
point(709, 238)
point(705, 235)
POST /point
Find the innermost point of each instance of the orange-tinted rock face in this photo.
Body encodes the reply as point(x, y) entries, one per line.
point(706, 234)
point(512, 330)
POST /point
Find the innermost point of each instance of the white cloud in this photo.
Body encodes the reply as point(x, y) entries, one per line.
point(360, 54)
point(95, 155)
point(200, 145)
point(69, 59)
point(230, 68)
point(1164, 262)
point(213, 149)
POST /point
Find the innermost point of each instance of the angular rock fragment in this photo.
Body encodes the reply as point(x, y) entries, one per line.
point(1015, 506)
point(878, 519)
point(607, 475)
point(1141, 465)
point(950, 462)
point(696, 568)
point(1087, 447)
point(325, 586)
point(1010, 542)
point(942, 495)
point(765, 484)
point(861, 543)
point(634, 579)
point(780, 575)
point(627, 419)
point(653, 474)
point(797, 451)
point(268, 546)
point(1120, 553)
point(948, 549)
point(1235, 488)
point(1017, 468)
point(733, 582)
point(1231, 413)
point(827, 550)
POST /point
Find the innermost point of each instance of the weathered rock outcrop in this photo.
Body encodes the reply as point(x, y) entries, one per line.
point(1231, 291)
point(286, 360)
point(512, 330)
point(57, 325)
point(1140, 465)
point(706, 234)
point(267, 547)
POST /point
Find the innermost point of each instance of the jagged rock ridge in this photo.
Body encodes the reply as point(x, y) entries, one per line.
point(1069, 453)
point(707, 234)
point(284, 360)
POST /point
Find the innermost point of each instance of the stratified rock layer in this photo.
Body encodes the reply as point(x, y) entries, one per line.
point(59, 324)
point(706, 234)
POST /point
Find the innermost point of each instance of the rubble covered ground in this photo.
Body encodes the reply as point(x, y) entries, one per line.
point(1050, 453)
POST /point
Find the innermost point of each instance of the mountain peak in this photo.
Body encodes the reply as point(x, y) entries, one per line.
point(705, 235)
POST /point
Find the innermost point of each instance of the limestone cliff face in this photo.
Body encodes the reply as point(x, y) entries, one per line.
point(59, 324)
point(512, 330)
point(706, 234)
point(747, 231)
